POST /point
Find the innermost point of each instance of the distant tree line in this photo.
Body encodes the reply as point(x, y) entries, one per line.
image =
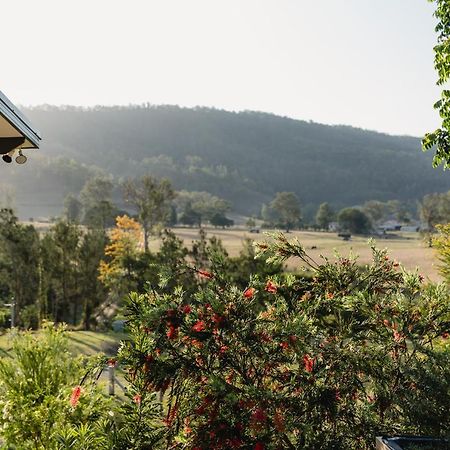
point(101, 199)
point(153, 202)
point(243, 158)
point(89, 259)
point(81, 268)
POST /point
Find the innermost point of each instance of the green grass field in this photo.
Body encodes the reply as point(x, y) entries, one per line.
point(81, 342)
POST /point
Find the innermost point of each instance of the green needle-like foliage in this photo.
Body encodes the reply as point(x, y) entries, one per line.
point(325, 362)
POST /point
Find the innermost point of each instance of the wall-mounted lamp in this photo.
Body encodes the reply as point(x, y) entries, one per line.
point(7, 157)
point(21, 158)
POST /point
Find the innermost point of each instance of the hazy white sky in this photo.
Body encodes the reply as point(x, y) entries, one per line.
point(367, 63)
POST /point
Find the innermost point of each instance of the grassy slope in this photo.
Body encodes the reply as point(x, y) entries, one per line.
point(81, 342)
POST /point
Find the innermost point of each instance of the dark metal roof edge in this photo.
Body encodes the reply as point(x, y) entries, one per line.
point(18, 121)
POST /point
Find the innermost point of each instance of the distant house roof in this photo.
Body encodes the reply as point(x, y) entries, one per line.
point(15, 129)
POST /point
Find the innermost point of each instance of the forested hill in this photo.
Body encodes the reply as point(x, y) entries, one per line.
point(245, 157)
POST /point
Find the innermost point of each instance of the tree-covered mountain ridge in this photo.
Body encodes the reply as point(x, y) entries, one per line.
point(245, 157)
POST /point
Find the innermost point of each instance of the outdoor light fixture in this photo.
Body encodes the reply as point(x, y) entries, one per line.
point(8, 157)
point(16, 132)
point(21, 158)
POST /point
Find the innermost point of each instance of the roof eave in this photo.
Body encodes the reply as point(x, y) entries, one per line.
point(19, 122)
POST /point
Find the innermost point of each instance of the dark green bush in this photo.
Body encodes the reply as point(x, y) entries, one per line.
point(327, 362)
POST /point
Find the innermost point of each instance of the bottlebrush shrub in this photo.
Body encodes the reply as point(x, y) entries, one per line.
point(40, 396)
point(324, 362)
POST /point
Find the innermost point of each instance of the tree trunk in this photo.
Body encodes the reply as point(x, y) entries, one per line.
point(146, 232)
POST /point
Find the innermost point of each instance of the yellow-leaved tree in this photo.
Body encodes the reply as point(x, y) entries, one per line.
point(115, 273)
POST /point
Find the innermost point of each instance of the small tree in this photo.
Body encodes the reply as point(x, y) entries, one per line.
point(73, 208)
point(151, 198)
point(375, 210)
point(65, 277)
point(250, 222)
point(36, 383)
point(325, 215)
point(200, 206)
point(92, 291)
point(220, 220)
point(121, 252)
point(287, 205)
point(435, 208)
point(189, 216)
point(353, 220)
point(19, 265)
point(97, 189)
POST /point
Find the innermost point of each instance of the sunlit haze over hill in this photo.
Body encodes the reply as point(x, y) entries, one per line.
point(364, 63)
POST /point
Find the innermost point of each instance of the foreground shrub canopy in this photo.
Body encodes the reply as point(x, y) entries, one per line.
point(321, 362)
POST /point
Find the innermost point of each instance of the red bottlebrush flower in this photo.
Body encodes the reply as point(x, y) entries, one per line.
point(248, 404)
point(265, 337)
point(187, 309)
point(200, 362)
point(172, 332)
point(205, 274)
point(330, 295)
point(249, 292)
point(386, 323)
point(76, 393)
point(259, 415)
point(171, 313)
point(284, 345)
point(259, 446)
point(111, 362)
point(148, 362)
point(223, 349)
point(398, 336)
point(200, 410)
point(218, 319)
point(445, 335)
point(158, 351)
point(137, 399)
point(308, 363)
point(293, 339)
point(199, 326)
point(271, 287)
point(278, 421)
point(196, 343)
point(235, 443)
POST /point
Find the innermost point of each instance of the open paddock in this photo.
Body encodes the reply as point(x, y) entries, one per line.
point(407, 248)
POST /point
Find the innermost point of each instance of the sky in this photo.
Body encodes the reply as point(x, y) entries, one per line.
point(366, 63)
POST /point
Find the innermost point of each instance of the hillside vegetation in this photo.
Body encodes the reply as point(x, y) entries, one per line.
point(243, 157)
